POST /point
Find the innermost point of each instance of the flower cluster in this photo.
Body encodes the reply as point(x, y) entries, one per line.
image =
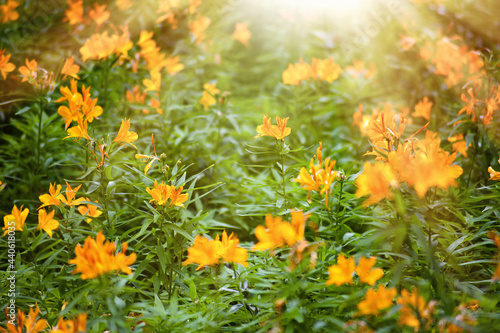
point(75, 325)
point(322, 69)
point(320, 176)
point(414, 310)
point(102, 45)
point(343, 271)
point(480, 109)
point(162, 193)
point(96, 258)
point(206, 252)
point(277, 232)
point(31, 324)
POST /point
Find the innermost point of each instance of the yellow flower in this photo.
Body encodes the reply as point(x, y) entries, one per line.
point(205, 252)
point(414, 308)
point(70, 196)
point(209, 93)
point(376, 181)
point(198, 27)
point(89, 210)
point(53, 198)
point(325, 69)
point(124, 135)
point(100, 46)
point(162, 192)
point(494, 175)
point(173, 65)
point(47, 222)
point(242, 34)
point(295, 73)
point(29, 71)
point(365, 271)
point(5, 65)
point(342, 272)
point(279, 232)
point(377, 300)
point(15, 220)
point(459, 144)
point(96, 258)
point(276, 131)
point(153, 84)
point(30, 324)
point(322, 176)
point(423, 109)
point(70, 69)
point(8, 12)
point(74, 14)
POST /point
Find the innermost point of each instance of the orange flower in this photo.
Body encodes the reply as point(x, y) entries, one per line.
point(279, 232)
point(5, 65)
point(29, 72)
point(423, 109)
point(70, 69)
point(173, 65)
point(30, 324)
point(80, 130)
point(162, 192)
point(320, 177)
point(90, 210)
point(376, 181)
point(207, 252)
point(74, 14)
point(124, 135)
point(494, 175)
point(325, 69)
point(209, 93)
point(100, 46)
point(198, 27)
point(276, 131)
point(8, 12)
point(169, 8)
point(53, 198)
point(153, 84)
point(459, 144)
point(342, 272)
point(414, 308)
point(99, 14)
point(47, 222)
point(377, 300)
point(15, 221)
point(69, 200)
point(242, 34)
point(365, 271)
point(96, 258)
point(75, 325)
point(295, 73)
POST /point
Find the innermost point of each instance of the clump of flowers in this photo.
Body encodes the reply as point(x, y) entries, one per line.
point(343, 271)
point(75, 325)
point(322, 69)
point(163, 194)
point(277, 232)
point(102, 45)
point(279, 132)
point(97, 257)
point(206, 252)
point(414, 310)
point(320, 176)
point(377, 300)
point(31, 324)
point(480, 110)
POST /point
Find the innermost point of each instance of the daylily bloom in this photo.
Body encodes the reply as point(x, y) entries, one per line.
point(74, 13)
point(124, 135)
point(53, 198)
point(342, 272)
point(96, 258)
point(277, 232)
point(423, 109)
point(5, 65)
point(207, 252)
point(279, 132)
point(242, 34)
point(153, 84)
point(8, 12)
point(295, 73)
point(89, 210)
point(198, 27)
point(494, 175)
point(377, 300)
point(208, 95)
point(414, 309)
point(75, 325)
point(70, 68)
point(31, 324)
point(70, 196)
point(325, 69)
point(47, 222)
point(18, 216)
point(365, 271)
point(376, 181)
point(162, 192)
point(29, 71)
